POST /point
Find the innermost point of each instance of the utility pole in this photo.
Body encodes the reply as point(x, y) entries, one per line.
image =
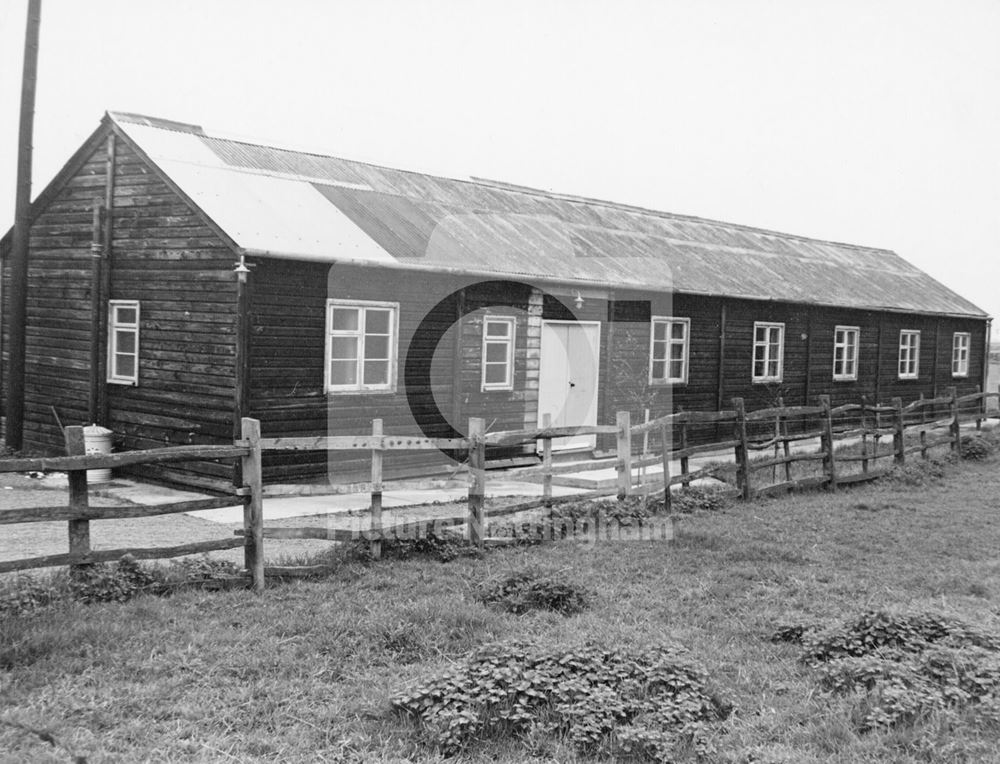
point(22, 225)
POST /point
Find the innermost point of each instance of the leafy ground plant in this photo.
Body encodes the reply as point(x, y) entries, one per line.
point(534, 589)
point(444, 547)
point(647, 704)
point(115, 582)
point(903, 667)
point(978, 446)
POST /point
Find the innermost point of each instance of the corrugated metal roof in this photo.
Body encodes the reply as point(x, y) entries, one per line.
point(292, 204)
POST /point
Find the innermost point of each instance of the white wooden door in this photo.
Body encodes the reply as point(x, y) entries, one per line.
point(567, 378)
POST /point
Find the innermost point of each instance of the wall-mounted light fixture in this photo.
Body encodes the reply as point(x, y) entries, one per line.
point(578, 300)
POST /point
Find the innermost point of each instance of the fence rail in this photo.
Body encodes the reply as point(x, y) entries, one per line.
point(867, 423)
point(78, 513)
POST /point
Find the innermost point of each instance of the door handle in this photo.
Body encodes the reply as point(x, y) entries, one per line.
point(572, 384)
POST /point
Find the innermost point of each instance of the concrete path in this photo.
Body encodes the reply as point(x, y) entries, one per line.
point(302, 506)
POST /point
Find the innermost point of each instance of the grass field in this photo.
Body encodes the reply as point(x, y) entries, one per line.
point(305, 671)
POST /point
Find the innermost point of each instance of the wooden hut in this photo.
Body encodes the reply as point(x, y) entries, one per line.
point(179, 281)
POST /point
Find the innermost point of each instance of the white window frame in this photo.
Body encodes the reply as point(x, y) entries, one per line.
point(115, 326)
point(508, 342)
point(668, 342)
point(909, 353)
point(766, 345)
point(362, 306)
point(960, 354)
point(848, 362)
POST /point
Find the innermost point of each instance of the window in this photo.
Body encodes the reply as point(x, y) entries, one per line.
point(668, 352)
point(123, 342)
point(360, 346)
point(845, 352)
point(498, 353)
point(909, 353)
point(960, 354)
point(768, 351)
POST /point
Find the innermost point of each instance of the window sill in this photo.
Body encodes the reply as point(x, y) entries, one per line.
point(335, 393)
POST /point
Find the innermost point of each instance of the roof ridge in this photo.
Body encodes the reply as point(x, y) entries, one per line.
point(488, 183)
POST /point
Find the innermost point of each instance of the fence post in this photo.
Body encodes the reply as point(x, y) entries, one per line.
point(375, 545)
point(898, 453)
point(685, 463)
point(665, 445)
point(864, 438)
point(956, 425)
point(477, 479)
point(980, 408)
point(547, 461)
point(624, 447)
point(877, 438)
point(742, 452)
point(782, 432)
point(923, 444)
point(253, 510)
point(79, 530)
point(826, 439)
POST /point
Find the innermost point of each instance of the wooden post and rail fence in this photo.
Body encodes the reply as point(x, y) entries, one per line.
point(777, 428)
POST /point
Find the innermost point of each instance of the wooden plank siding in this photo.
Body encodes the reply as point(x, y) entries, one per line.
point(287, 356)
point(57, 335)
point(165, 256)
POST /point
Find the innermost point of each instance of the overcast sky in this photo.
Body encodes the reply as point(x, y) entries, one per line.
point(875, 123)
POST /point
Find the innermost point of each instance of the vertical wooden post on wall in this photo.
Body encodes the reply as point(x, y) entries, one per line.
point(956, 425)
point(720, 399)
point(934, 359)
point(107, 266)
point(375, 545)
point(899, 455)
point(241, 387)
point(623, 421)
point(665, 439)
point(79, 530)
point(742, 450)
point(456, 360)
point(608, 408)
point(96, 340)
point(807, 387)
point(878, 364)
point(253, 510)
point(547, 461)
point(477, 479)
point(826, 438)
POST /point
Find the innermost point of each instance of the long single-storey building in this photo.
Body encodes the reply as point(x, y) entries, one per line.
point(221, 278)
